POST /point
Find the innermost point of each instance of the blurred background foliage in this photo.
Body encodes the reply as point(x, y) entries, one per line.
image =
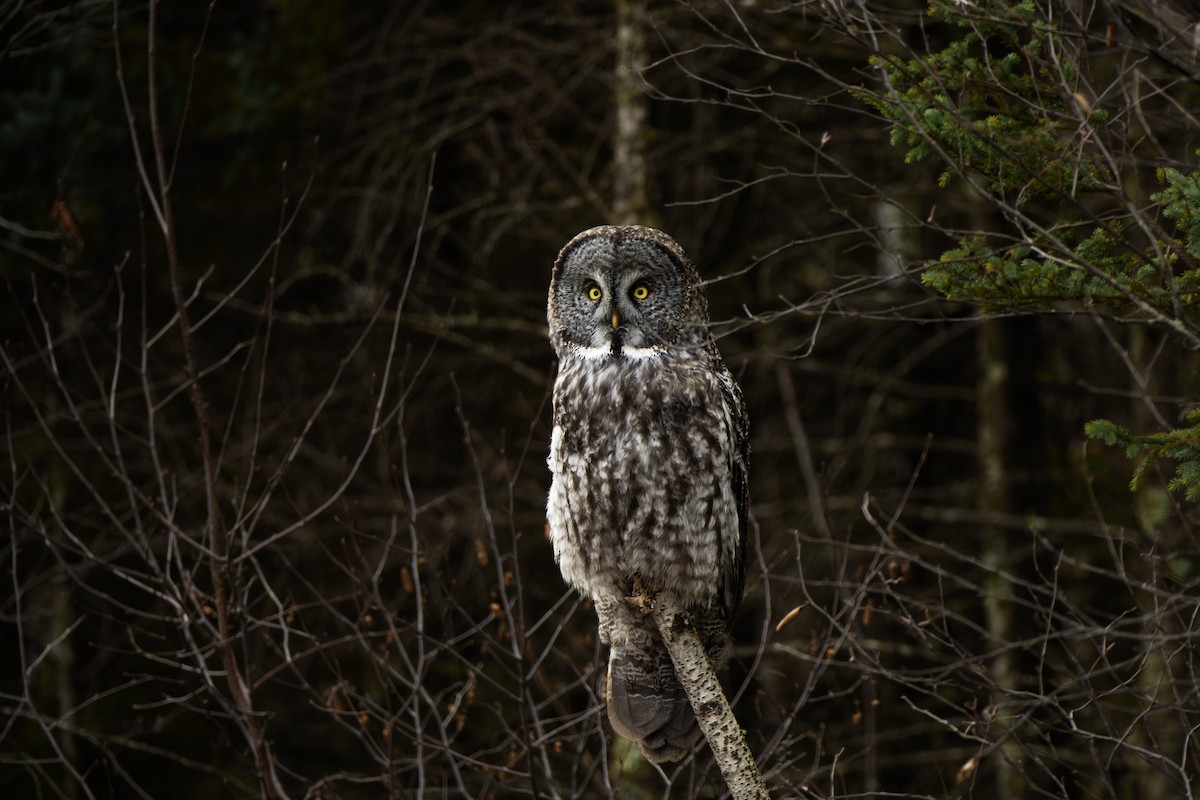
point(940, 242)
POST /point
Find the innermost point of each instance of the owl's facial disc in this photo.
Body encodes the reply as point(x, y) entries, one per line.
point(619, 298)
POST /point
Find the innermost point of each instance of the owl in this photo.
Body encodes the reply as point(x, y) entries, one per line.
point(648, 462)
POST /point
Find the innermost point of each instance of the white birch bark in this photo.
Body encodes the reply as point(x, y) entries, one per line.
point(716, 718)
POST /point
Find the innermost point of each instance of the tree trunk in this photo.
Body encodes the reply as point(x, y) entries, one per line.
point(992, 431)
point(630, 205)
point(1158, 732)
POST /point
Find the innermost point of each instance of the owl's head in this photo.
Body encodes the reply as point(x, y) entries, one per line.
point(625, 292)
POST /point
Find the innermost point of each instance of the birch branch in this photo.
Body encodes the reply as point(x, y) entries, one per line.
point(708, 700)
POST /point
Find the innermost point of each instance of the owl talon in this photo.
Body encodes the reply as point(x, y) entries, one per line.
point(642, 598)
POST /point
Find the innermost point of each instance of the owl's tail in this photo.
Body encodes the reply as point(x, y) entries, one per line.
point(647, 705)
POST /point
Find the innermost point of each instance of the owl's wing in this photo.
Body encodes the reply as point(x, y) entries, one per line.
point(734, 573)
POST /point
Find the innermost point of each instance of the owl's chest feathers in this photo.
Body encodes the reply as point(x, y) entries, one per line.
point(632, 412)
point(640, 459)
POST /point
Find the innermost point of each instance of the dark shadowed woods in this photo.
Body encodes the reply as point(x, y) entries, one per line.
point(276, 390)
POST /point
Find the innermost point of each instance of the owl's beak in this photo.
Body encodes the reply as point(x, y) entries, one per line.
point(615, 322)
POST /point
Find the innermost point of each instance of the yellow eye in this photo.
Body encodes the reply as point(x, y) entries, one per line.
point(594, 293)
point(641, 292)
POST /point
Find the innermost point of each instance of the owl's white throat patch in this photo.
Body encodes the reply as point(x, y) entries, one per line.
point(639, 353)
point(606, 352)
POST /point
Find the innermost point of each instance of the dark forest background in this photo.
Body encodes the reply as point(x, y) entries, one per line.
point(276, 389)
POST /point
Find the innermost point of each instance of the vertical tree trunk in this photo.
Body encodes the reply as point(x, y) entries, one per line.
point(630, 205)
point(992, 431)
point(63, 659)
point(1157, 732)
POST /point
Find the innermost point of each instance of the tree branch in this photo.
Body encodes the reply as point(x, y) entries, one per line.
point(699, 680)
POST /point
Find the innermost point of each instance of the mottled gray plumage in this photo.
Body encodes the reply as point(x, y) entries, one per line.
point(648, 458)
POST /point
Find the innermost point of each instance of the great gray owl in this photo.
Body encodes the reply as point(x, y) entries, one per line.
point(648, 458)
